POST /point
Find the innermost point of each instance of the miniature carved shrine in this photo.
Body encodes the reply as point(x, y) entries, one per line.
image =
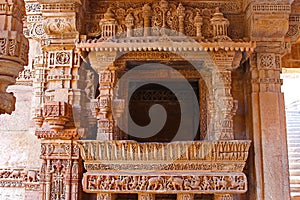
point(154, 99)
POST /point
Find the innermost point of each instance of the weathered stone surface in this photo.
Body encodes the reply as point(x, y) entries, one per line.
point(19, 146)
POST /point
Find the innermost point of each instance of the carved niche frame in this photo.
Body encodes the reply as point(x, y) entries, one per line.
point(202, 76)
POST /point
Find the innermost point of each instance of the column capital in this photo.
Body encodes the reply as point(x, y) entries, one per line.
point(267, 21)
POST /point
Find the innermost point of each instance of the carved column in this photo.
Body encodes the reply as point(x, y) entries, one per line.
point(185, 196)
point(102, 106)
point(224, 105)
point(60, 93)
point(268, 24)
point(143, 196)
point(13, 50)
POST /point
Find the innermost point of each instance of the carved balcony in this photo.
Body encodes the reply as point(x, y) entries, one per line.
point(197, 167)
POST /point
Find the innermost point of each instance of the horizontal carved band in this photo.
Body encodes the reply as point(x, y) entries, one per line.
point(228, 166)
point(19, 178)
point(13, 46)
point(141, 44)
point(120, 152)
point(171, 183)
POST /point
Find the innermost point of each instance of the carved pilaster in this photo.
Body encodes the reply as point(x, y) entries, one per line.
point(145, 196)
point(223, 197)
point(105, 196)
point(105, 99)
point(61, 168)
point(185, 196)
point(224, 106)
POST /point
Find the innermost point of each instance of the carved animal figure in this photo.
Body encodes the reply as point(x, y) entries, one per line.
point(155, 183)
point(30, 176)
point(187, 185)
point(220, 183)
point(4, 173)
point(233, 184)
point(176, 183)
point(15, 174)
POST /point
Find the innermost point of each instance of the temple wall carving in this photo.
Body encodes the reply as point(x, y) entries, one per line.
point(82, 51)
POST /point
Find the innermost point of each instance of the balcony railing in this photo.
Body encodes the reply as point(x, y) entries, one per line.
point(188, 167)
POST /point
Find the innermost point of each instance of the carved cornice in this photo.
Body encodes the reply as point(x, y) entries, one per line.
point(157, 44)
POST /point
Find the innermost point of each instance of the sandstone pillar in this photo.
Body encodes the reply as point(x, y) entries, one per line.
point(268, 24)
point(102, 105)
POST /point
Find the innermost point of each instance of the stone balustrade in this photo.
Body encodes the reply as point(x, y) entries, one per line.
point(185, 166)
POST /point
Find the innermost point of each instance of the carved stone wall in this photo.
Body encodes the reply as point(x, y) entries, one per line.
point(88, 44)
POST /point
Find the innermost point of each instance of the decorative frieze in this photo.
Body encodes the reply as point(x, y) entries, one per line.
point(19, 178)
point(171, 183)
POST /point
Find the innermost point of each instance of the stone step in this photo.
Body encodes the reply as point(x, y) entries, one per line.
point(293, 155)
point(293, 137)
point(293, 149)
point(294, 172)
point(293, 130)
point(292, 125)
point(293, 144)
point(295, 180)
point(295, 187)
point(295, 195)
point(294, 159)
point(294, 165)
point(294, 140)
